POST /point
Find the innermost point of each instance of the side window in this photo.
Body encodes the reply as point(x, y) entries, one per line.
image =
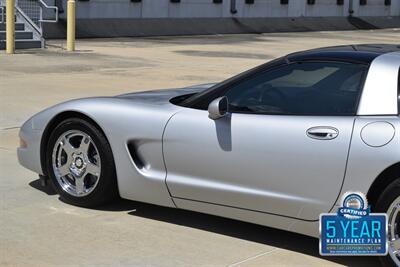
point(309, 88)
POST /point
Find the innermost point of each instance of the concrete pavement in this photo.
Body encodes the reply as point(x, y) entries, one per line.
point(37, 229)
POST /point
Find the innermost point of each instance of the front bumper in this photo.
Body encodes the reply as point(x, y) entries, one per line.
point(29, 156)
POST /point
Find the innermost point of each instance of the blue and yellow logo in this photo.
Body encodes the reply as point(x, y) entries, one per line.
point(353, 230)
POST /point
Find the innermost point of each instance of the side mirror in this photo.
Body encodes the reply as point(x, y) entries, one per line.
point(218, 108)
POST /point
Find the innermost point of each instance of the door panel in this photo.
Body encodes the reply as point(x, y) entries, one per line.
point(263, 163)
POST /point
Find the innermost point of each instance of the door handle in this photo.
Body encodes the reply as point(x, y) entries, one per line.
point(323, 133)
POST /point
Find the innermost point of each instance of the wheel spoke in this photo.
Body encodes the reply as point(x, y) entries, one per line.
point(79, 185)
point(395, 244)
point(67, 147)
point(64, 169)
point(93, 169)
point(84, 145)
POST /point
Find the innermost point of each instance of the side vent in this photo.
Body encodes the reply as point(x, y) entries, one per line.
point(132, 148)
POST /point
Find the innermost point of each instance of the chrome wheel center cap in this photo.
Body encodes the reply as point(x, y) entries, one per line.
point(78, 165)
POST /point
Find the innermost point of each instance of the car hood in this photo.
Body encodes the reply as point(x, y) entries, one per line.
point(162, 96)
point(157, 100)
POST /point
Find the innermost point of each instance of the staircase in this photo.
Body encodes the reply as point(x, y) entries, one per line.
point(24, 36)
point(28, 23)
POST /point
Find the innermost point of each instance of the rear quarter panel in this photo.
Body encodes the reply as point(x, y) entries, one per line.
point(367, 162)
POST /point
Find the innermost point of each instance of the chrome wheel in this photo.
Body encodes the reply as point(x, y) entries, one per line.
point(76, 163)
point(393, 230)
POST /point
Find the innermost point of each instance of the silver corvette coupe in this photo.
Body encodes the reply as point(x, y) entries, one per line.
point(277, 145)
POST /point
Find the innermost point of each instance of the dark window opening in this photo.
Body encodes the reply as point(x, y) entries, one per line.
point(315, 88)
point(308, 88)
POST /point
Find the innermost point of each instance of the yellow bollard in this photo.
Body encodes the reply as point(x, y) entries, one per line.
point(71, 25)
point(10, 28)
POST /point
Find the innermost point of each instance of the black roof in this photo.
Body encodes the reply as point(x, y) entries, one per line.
point(363, 53)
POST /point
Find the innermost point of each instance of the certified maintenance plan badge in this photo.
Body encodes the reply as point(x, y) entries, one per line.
point(353, 230)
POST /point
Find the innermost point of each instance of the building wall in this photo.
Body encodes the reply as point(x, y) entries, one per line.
point(208, 9)
point(112, 18)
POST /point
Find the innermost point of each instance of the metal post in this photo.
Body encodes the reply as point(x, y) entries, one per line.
point(10, 28)
point(71, 25)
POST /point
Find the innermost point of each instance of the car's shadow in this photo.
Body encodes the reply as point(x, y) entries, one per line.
point(45, 189)
point(233, 228)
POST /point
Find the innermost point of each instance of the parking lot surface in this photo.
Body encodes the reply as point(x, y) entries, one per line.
point(37, 229)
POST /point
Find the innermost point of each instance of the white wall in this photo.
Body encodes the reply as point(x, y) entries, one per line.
point(326, 8)
point(373, 7)
point(207, 9)
point(260, 8)
point(195, 9)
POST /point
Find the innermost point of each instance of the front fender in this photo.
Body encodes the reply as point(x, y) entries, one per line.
point(122, 120)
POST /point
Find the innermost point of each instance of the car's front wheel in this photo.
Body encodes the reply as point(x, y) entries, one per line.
point(389, 203)
point(80, 163)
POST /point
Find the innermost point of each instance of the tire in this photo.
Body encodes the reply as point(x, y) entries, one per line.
point(389, 196)
point(78, 149)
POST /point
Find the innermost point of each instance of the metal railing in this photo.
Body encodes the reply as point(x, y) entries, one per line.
point(2, 10)
point(46, 6)
point(2, 13)
point(30, 8)
point(32, 11)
